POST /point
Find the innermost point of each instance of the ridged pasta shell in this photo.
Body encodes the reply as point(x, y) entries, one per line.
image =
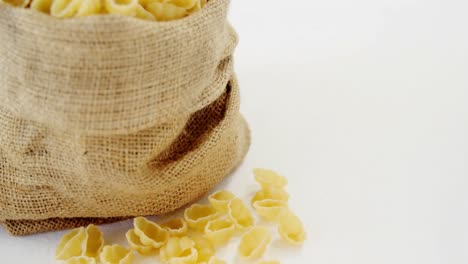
point(135, 243)
point(198, 215)
point(80, 260)
point(176, 227)
point(254, 243)
point(150, 233)
point(270, 209)
point(268, 178)
point(179, 250)
point(291, 228)
point(116, 254)
point(71, 244)
point(93, 242)
point(219, 231)
point(220, 200)
point(271, 194)
point(204, 248)
point(240, 214)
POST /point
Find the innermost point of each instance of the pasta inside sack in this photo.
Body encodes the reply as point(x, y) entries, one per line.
point(198, 215)
point(116, 254)
point(93, 242)
point(179, 250)
point(204, 248)
point(220, 200)
point(219, 231)
point(41, 5)
point(19, 3)
point(81, 260)
point(135, 243)
point(271, 194)
point(150, 233)
point(254, 243)
point(290, 228)
point(268, 178)
point(240, 214)
point(122, 7)
point(71, 244)
point(176, 227)
point(270, 209)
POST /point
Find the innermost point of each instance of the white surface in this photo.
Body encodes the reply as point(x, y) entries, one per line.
point(364, 106)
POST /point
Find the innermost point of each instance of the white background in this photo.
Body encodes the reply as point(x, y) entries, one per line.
point(363, 104)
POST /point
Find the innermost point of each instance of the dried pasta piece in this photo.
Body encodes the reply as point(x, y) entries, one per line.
point(198, 5)
point(240, 214)
point(93, 242)
point(187, 4)
point(41, 5)
point(268, 262)
point(122, 7)
point(198, 215)
point(268, 178)
point(204, 248)
point(291, 228)
point(254, 243)
point(220, 200)
point(65, 8)
point(150, 233)
point(135, 243)
point(141, 12)
point(71, 244)
point(116, 254)
point(81, 260)
point(271, 194)
point(213, 260)
point(166, 11)
point(18, 3)
point(270, 209)
point(219, 231)
point(179, 250)
point(176, 227)
point(89, 7)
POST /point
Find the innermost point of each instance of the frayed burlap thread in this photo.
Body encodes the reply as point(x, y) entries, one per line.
point(108, 117)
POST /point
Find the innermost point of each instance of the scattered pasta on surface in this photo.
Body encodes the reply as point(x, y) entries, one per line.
point(116, 254)
point(80, 260)
point(179, 250)
point(198, 215)
point(150, 233)
point(71, 244)
point(240, 214)
point(271, 194)
point(254, 243)
point(268, 178)
point(93, 242)
point(204, 248)
point(219, 231)
point(291, 228)
point(135, 243)
point(220, 200)
point(176, 227)
point(270, 209)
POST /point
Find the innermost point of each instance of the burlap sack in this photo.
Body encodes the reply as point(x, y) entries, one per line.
point(109, 117)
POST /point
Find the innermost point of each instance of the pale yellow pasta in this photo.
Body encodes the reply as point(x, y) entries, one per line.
point(89, 7)
point(65, 8)
point(213, 260)
point(18, 3)
point(150, 233)
point(271, 194)
point(270, 209)
point(71, 244)
point(142, 13)
point(254, 243)
point(176, 227)
point(93, 242)
point(179, 250)
point(116, 254)
point(240, 214)
point(166, 11)
point(268, 178)
point(187, 4)
point(41, 5)
point(204, 248)
point(268, 262)
point(220, 200)
point(122, 7)
point(219, 231)
point(291, 228)
point(198, 215)
point(81, 260)
point(198, 5)
point(135, 243)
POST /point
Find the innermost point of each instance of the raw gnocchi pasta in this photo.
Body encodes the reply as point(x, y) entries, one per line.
point(71, 244)
point(220, 200)
point(219, 231)
point(80, 260)
point(179, 250)
point(150, 233)
point(176, 227)
point(290, 228)
point(254, 243)
point(135, 243)
point(116, 254)
point(240, 214)
point(198, 215)
point(270, 209)
point(268, 178)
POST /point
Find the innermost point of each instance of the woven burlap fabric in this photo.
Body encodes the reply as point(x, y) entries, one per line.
point(109, 117)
